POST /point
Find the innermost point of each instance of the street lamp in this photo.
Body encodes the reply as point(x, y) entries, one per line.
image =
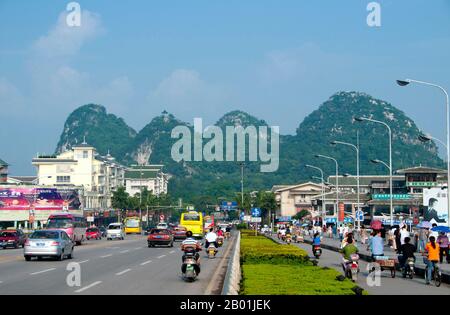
point(376, 161)
point(337, 181)
point(407, 82)
point(360, 119)
point(357, 172)
point(322, 190)
point(428, 137)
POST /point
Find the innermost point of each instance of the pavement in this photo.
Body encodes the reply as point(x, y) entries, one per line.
point(386, 284)
point(108, 267)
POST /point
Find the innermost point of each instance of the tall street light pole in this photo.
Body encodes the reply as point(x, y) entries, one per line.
point(242, 164)
point(337, 182)
point(322, 190)
point(357, 173)
point(360, 119)
point(405, 83)
point(376, 161)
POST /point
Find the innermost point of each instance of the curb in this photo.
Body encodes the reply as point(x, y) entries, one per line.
point(232, 281)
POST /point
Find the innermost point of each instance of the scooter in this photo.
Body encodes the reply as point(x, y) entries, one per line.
point(288, 239)
point(220, 241)
point(227, 235)
point(352, 267)
point(211, 251)
point(190, 266)
point(317, 251)
point(408, 268)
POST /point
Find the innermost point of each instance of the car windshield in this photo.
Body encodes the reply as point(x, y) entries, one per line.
point(45, 235)
point(132, 223)
point(159, 232)
point(59, 223)
point(8, 234)
point(191, 217)
point(114, 227)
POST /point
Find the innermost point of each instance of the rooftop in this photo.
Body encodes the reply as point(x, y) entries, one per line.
point(422, 170)
point(3, 163)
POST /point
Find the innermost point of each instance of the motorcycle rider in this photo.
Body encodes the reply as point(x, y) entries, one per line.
point(406, 250)
point(348, 251)
point(316, 241)
point(211, 238)
point(190, 243)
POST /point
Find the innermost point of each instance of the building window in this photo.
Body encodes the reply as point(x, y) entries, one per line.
point(63, 179)
point(85, 154)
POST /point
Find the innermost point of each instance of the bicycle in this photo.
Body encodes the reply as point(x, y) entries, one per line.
point(436, 275)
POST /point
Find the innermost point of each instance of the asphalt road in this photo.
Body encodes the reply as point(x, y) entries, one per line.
point(107, 267)
point(388, 285)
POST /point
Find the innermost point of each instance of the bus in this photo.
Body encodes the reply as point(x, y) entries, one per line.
point(74, 225)
point(209, 222)
point(193, 221)
point(132, 225)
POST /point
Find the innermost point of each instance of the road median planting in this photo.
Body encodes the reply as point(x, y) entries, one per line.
point(269, 268)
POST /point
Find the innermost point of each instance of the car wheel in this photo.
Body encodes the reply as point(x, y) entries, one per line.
point(70, 256)
point(60, 257)
point(39, 258)
point(16, 246)
point(171, 244)
point(27, 258)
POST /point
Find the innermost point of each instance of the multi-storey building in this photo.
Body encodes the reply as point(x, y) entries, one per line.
point(150, 177)
point(82, 166)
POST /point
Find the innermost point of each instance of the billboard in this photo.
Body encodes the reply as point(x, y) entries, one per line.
point(435, 205)
point(18, 203)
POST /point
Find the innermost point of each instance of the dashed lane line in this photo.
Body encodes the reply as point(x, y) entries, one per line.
point(146, 262)
point(159, 257)
point(125, 251)
point(122, 272)
point(105, 256)
point(42, 271)
point(88, 287)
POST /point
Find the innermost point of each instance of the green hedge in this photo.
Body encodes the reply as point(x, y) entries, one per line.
point(260, 249)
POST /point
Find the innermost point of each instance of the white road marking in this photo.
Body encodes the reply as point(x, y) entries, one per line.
point(84, 261)
point(42, 271)
point(109, 255)
point(137, 248)
point(88, 287)
point(171, 252)
point(122, 272)
point(146, 262)
point(125, 251)
point(161, 256)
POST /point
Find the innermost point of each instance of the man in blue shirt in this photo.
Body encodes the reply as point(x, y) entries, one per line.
point(377, 245)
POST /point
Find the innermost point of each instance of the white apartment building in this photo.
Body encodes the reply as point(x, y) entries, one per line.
point(139, 177)
point(82, 166)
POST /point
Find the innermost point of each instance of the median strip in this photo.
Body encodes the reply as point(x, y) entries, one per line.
point(122, 272)
point(42, 271)
point(88, 287)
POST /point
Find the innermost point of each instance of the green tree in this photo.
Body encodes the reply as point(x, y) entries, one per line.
point(300, 215)
point(120, 199)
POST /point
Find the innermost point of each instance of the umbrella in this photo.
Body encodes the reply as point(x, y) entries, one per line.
point(424, 225)
point(441, 229)
point(376, 225)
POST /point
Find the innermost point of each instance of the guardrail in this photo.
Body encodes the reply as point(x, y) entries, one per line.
point(232, 281)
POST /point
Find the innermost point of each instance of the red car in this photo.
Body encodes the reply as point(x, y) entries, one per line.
point(179, 232)
point(160, 237)
point(93, 234)
point(12, 238)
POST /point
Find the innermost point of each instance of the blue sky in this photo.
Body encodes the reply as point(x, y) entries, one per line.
point(278, 60)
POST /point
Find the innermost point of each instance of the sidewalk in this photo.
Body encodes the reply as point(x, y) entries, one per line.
point(334, 244)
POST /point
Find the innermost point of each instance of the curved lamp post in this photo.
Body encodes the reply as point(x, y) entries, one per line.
point(337, 182)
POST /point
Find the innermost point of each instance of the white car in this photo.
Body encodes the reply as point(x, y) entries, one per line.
point(162, 226)
point(115, 231)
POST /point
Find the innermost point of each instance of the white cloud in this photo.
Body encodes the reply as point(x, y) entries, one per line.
point(63, 40)
point(11, 100)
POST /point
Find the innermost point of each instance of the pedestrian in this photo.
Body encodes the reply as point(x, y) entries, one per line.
point(363, 235)
point(442, 240)
point(376, 245)
point(341, 233)
point(432, 258)
point(423, 237)
point(330, 232)
point(397, 240)
point(403, 234)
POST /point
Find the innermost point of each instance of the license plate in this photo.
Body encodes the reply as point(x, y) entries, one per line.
point(158, 236)
point(40, 244)
point(190, 267)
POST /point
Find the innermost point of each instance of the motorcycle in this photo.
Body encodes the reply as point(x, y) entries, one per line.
point(288, 239)
point(190, 267)
point(220, 241)
point(227, 235)
point(352, 267)
point(211, 251)
point(317, 251)
point(408, 268)
point(283, 237)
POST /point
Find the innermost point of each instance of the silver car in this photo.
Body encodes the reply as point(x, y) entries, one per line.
point(48, 243)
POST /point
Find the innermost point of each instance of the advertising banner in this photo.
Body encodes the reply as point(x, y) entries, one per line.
point(435, 205)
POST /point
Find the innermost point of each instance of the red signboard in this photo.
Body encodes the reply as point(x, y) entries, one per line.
point(341, 212)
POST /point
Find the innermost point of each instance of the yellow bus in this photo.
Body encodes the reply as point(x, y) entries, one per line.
point(193, 221)
point(132, 225)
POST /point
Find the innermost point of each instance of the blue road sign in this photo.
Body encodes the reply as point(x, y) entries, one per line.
point(256, 212)
point(242, 215)
point(359, 215)
point(228, 205)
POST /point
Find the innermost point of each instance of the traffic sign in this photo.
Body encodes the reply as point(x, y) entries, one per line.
point(228, 205)
point(256, 212)
point(242, 215)
point(256, 220)
point(359, 215)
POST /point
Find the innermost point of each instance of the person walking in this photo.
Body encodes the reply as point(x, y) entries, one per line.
point(376, 245)
point(432, 257)
point(341, 233)
point(363, 235)
point(423, 237)
point(443, 242)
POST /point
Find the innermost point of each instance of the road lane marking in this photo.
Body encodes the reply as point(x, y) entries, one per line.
point(42, 271)
point(109, 255)
point(122, 272)
point(88, 287)
point(84, 261)
point(161, 256)
point(125, 251)
point(146, 262)
point(171, 252)
point(137, 248)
